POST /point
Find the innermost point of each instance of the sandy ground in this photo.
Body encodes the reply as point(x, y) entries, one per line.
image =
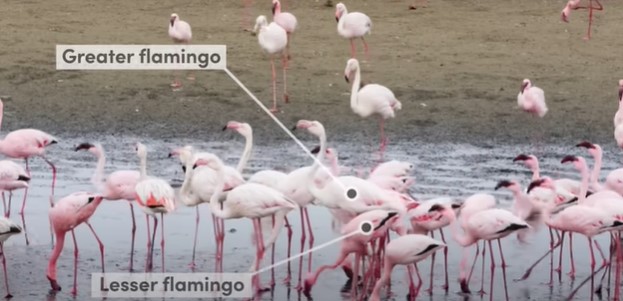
point(463, 59)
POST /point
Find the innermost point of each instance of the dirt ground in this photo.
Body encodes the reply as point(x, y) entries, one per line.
point(456, 65)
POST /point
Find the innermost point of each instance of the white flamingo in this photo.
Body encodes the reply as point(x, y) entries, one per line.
point(12, 177)
point(181, 33)
point(7, 229)
point(531, 99)
point(273, 39)
point(286, 20)
point(352, 26)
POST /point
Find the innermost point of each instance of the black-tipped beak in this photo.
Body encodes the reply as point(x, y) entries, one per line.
point(82, 146)
point(274, 8)
point(194, 166)
point(436, 207)
point(617, 224)
point(534, 184)
point(585, 144)
point(523, 87)
point(569, 159)
point(386, 219)
point(347, 79)
point(521, 157)
point(91, 199)
point(293, 128)
point(224, 128)
point(170, 155)
point(620, 93)
point(172, 21)
point(315, 150)
point(503, 183)
point(456, 206)
point(184, 168)
point(337, 19)
point(23, 178)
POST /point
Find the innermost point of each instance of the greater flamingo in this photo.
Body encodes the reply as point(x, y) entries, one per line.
point(68, 213)
point(406, 250)
point(531, 99)
point(287, 21)
point(273, 39)
point(119, 185)
point(24, 144)
point(352, 26)
point(154, 196)
point(574, 5)
point(181, 33)
point(7, 229)
point(371, 99)
point(250, 200)
point(12, 177)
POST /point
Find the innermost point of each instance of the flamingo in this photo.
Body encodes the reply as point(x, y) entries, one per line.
point(119, 185)
point(250, 200)
point(181, 33)
point(609, 188)
point(392, 168)
point(618, 116)
point(352, 26)
point(154, 196)
point(574, 5)
point(12, 177)
point(287, 21)
point(531, 99)
point(273, 39)
point(24, 144)
point(414, 6)
point(371, 99)
point(68, 213)
point(563, 185)
point(406, 250)
point(7, 229)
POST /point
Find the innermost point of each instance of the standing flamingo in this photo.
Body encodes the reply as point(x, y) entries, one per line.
point(574, 5)
point(181, 33)
point(287, 21)
point(352, 26)
point(531, 99)
point(24, 144)
point(12, 177)
point(618, 116)
point(7, 229)
point(371, 99)
point(68, 213)
point(564, 186)
point(406, 250)
point(273, 39)
point(119, 185)
point(250, 200)
point(154, 196)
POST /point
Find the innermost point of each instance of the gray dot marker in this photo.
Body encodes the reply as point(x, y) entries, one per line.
point(366, 228)
point(351, 194)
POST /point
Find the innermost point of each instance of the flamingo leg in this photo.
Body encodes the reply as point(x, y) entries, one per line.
point(51, 193)
point(284, 63)
point(192, 263)
point(222, 244)
point(161, 239)
point(288, 56)
point(492, 271)
point(216, 238)
point(74, 290)
point(5, 207)
point(471, 271)
point(355, 284)
point(289, 228)
point(365, 47)
point(411, 283)
point(482, 272)
point(311, 238)
point(562, 244)
point(353, 51)
point(590, 16)
point(571, 273)
point(432, 268)
point(99, 242)
point(272, 258)
point(25, 189)
point(419, 277)
point(503, 270)
point(383, 142)
point(445, 261)
point(8, 213)
point(131, 269)
point(551, 257)
point(274, 79)
point(6, 275)
point(463, 280)
point(153, 243)
point(149, 242)
point(303, 237)
point(619, 258)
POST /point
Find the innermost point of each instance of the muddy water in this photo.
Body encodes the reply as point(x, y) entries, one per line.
point(441, 170)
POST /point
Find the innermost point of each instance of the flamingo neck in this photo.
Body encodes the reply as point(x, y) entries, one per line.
point(341, 21)
point(215, 204)
point(354, 92)
point(98, 175)
point(58, 248)
point(143, 168)
point(246, 153)
point(465, 239)
point(536, 172)
point(596, 171)
point(335, 168)
point(584, 186)
point(185, 191)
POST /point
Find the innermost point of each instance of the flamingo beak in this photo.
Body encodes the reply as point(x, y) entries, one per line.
point(172, 21)
point(523, 87)
point(274, 8)
point(84, 146)
point(346, 78)
point(521, 157)
point(568, 159)
point(534, 184)
point(337, 18)
point(621, 93)
point(585, 144)
point(503, 183)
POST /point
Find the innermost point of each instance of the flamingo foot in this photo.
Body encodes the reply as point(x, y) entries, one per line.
point(74, 292)
point(54, 285)
point(286, 280)
point(274, 110)
point(286, 98)
point(192, 266)
point(445, 287)
point(571, 274)
point(481, 293)
point(8, 296)
point(558, 270)
point(429, 291)
point(464, 286)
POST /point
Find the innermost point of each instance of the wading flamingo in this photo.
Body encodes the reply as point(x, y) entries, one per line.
point(119, 185)
point(181, 33)
point(568, 185)
point(371, 99)
point(273, 39)
point(287, 21)
point(352, 26)
point(574, 5)
point(7, 229)
point(406, 250)
point(24, 144)
point(12, 177)
point(154, 196)
point(250, 200)
point(68, 213)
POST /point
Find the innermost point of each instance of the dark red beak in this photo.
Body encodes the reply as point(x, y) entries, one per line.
point(523, 87)
point(274, 8)
point(534, 184)
point(521, 157)
point(569, 159)
point(620, 93)
point(503, 183)
point(585, 144)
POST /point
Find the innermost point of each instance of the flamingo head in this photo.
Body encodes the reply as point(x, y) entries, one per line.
point(340, 9)
point(529, 160)
point(173, 18)
point(578, 162)
point(209, 160)
point(242, 128)
point(526, 84)
point(564, 15)
point(352, 65)
point(545, 182)
point(140, 149)
point(260, 22)
point(511, 185)
point(330, 153)
point(620, 90)
point(314, 127)
point(593, 149)
point(276, 6)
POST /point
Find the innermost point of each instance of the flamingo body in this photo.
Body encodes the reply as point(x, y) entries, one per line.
point(531, 99)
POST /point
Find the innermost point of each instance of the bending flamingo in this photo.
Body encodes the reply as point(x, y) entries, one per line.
point(574, 5)
point(273, 39)
point(68, 213)
point(7, 229)
point(24, 144)
point(352, 26)
point(287, 21)
point(12, 177)
point(181, 33)
point(371, 99)
point(119, 185)
point(154, 196)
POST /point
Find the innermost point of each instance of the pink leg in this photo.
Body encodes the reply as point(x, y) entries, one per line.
point(6, 275)
point(501, 255)
point(272, 258)
point(464, 279)
point(311, 238)
point(9, 210)
point(471, 271)
point(617, 279)
point(311, 280)
point(411, 283)
point(482, 273)
point(419, 277)
point(149, 242)
point(365, 47)
point(353, 287)
point(492, 270)
point(503, 270)
point(25, 189)
point(445, 262)
point(272, 65)
point(192, 263)
point(162, 239)
point(131, 269)
point(353, 51)
point(222, 244)
point(153, 243)
point(74, 290)
point(101, 245)
point(6, 210)
point(590, 246)
point(289, 229)
point(216, 238)
point(572, 272)
point(303, 237)
point(52, 193)
point(284, 63)
point(432, 268)
point(551, 257)
point(562, 244)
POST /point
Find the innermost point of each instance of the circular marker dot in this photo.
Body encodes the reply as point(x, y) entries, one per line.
point(351, 193)
point(366, 228)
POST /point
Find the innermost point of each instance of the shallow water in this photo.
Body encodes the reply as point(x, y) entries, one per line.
point(441, 170)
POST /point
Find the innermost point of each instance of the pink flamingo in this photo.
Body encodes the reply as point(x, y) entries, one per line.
point(24, 144)
point(181, 33)
point(406, 250)
point(532, 162)
point(287, 21)
point(273, 39)
point(618, 116)
point(250, 200)
point(7, 229)
point(68, 213)
point(414, 6)
point(531, 99)
point(119, 185)
point(371, 99)
point(574, 5)
point(352, 26)
point(12, 177)
point(154, 196)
